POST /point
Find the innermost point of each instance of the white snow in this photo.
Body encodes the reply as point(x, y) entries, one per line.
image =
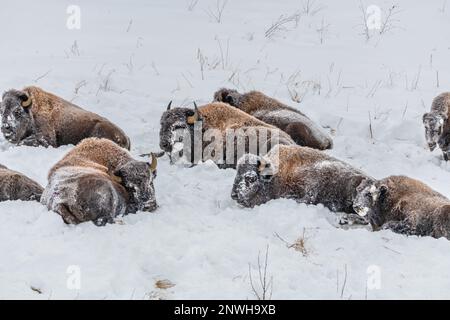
point(130, 58)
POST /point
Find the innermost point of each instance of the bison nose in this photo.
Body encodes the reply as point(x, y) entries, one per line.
point(165, 146)
point(432, 146)
point(150, 206)
point(234, 195)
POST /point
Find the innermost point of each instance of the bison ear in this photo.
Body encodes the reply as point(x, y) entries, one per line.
point(195, 117)
point(118, 175)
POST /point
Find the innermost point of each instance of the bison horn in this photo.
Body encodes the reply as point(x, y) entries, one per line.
point(168, 106)
point(27, 102)
point(195, 117)
point(154, 163)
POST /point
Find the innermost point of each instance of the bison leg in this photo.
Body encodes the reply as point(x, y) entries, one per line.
point(352, 219)
point(66, 214)
point(402, 227)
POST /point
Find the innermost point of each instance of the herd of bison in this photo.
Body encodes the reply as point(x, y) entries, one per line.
point(98, 179)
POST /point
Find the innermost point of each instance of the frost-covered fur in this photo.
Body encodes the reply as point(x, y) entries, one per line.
point(220, 117)
point(404, 205)
point(98, 180)
point(301, 173)
point(49, 120)
point(16, 186)
point(301, 128)
point(437, 124)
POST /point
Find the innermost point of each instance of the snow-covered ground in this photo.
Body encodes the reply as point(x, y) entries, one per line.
point(130, 58)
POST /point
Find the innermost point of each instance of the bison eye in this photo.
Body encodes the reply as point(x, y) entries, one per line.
point(250, 179)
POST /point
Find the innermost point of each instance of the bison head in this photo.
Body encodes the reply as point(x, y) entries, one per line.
point(177, 130)
point(137, 177)
point(434, 125)
point(253, 184)
point(230, 96)
point(367, 202)
point(17, 121)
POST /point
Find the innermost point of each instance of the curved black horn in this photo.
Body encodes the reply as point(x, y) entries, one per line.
point(168, 106)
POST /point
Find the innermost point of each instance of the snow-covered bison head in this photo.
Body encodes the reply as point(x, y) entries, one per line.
point(230, 96)
point(17, 121)
point(434, 124)
point(177, 126)
point(367, 203)
point(137, 177)
point(253, 182)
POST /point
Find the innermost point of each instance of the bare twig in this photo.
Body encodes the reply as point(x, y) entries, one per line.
point(366, 30)
point(345, 281)
point(281, 23)
point(217, 12)
point(42, 76)
point(79, 85)
point(389, 22)
point(297, 245)
point(310, 8)
point(323, 30)
point(444, 7)
point(266, 284)
point(129, 25)
point(191, 4)
point(202, 61)
point(155, 69)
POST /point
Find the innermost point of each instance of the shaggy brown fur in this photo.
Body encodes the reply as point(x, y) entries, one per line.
point(16, 186)
point(98, 154)
point(437, 124)
point(55, 121)
point(218, 117)
point(301, 173)
point(98, 180)
point(302, 129)
point(405, 205)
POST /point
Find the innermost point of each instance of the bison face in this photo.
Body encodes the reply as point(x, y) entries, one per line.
point(367, 202)
point(434, 125)
point(230, 96)
point(137, 178)
point(176, 132)
point(17, 121)
point(253, 183)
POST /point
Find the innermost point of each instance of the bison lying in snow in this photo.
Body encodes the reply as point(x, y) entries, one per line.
point(301, 173)
point(16, 186)
point(218, 132)
point(437, 124)
point(34, 117)
point(301, 128)
point(97, 181)
point(404, 205)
